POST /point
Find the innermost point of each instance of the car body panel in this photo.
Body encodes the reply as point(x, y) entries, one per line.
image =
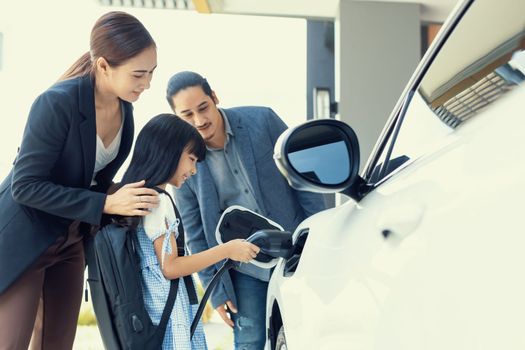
point(446, 266)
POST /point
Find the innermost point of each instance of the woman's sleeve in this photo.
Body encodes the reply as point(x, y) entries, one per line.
point(44, 138)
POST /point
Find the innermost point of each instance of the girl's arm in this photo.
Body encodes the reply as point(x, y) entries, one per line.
point(179, 266)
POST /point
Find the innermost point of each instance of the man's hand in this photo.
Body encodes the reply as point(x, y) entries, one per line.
point(224, 310)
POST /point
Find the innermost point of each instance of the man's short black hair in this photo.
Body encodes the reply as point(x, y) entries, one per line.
point(183, 80)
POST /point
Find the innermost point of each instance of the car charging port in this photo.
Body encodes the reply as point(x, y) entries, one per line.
point(295, 256)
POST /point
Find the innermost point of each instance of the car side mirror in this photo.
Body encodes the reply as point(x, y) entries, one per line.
point(319, 156)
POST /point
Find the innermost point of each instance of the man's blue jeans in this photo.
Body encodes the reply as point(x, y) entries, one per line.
point(250, 319)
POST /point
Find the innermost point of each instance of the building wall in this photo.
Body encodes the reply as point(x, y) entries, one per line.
point(320, 60)
point(377, 47)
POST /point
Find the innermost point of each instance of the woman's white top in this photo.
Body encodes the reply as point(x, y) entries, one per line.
point(107, 155)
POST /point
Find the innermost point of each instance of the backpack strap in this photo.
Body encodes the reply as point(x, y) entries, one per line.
point(188, 281)
point(166, 313)
point(170, 302)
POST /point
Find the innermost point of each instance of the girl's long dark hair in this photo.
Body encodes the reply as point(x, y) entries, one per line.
point(157, 152)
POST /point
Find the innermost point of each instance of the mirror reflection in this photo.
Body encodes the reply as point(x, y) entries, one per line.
point(320, 154)
point(477, 67)
point(465, 79)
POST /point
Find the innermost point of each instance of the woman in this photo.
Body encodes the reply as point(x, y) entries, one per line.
point(78, 134)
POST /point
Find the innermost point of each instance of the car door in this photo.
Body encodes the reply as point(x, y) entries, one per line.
point(428, 255)
point(439, 235)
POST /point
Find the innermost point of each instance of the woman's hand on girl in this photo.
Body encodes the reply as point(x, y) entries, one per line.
point(240, 250)
point(132, 200)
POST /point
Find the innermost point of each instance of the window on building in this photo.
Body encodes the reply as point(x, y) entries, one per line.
point(428, 33)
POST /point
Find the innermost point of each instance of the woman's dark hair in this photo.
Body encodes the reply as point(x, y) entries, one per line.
point(116, 36)
point(183, 80)
point(157, 153)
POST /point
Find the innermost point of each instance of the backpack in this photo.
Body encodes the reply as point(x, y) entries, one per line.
point(116, 288)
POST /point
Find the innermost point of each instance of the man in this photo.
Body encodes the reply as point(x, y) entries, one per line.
point(239, 170)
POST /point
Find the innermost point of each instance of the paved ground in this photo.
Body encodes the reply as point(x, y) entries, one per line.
point(218, 335)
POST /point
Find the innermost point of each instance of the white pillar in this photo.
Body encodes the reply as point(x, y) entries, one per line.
point(377, 47)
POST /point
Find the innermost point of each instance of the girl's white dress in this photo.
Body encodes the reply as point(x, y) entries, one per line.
point(162, 222)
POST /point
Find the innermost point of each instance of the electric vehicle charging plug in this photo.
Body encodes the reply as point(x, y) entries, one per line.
point(272, 243)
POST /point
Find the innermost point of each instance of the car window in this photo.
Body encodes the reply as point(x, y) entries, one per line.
point(481, 61)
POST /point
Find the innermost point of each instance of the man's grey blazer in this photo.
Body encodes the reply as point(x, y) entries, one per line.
point(256, 130)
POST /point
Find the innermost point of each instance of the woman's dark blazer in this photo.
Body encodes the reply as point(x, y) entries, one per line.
point(48, 186)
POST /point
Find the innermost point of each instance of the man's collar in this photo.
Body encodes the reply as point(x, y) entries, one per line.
point(227, 126)
point(228, 131)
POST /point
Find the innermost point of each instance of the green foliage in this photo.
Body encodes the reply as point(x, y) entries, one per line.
point(208, 310)
point(86, 316)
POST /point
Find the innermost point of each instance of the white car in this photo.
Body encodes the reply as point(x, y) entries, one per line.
point(429, 252)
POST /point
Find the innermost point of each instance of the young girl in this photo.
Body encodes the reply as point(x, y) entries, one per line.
point(166, 152)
